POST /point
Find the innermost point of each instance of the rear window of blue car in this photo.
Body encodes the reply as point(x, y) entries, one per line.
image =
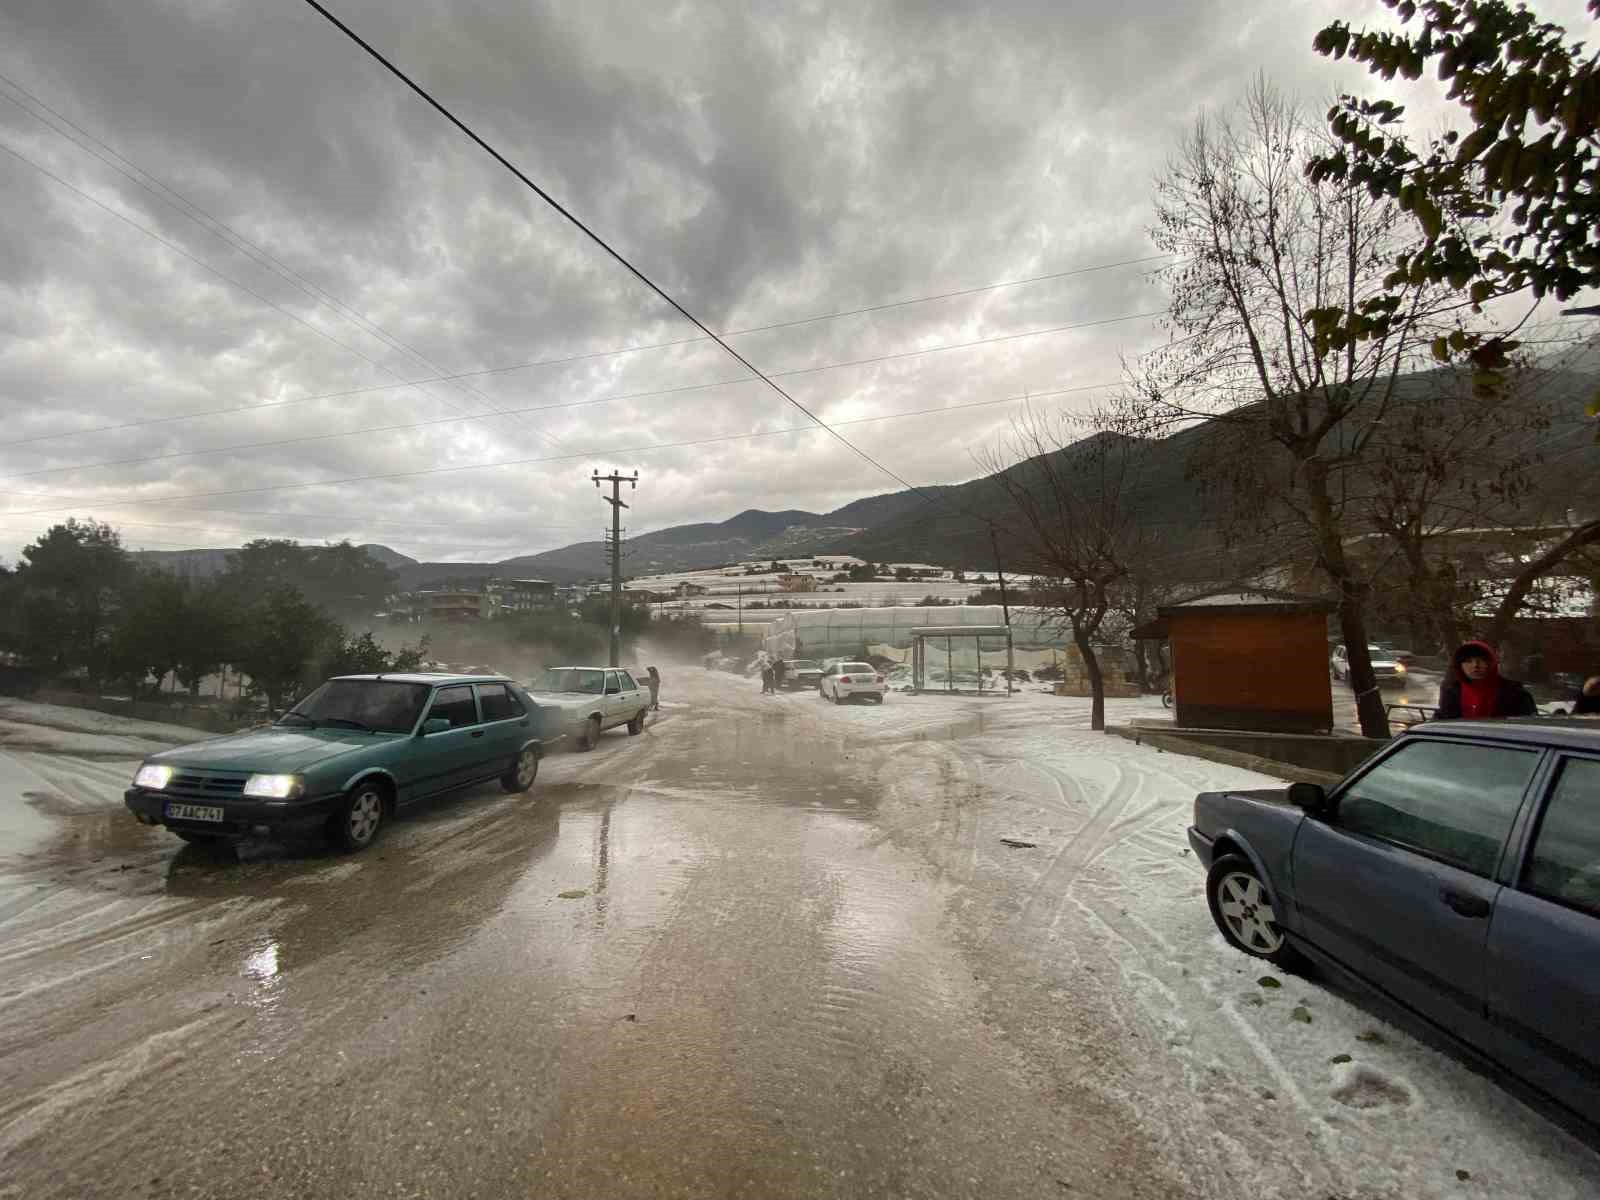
point(455, 704)
point(498, 701)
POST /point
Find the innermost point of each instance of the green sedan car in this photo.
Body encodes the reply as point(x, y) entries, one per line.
point(345, 759)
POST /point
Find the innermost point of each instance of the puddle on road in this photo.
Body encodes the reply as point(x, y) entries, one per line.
point(766, 759)
point(948, 731)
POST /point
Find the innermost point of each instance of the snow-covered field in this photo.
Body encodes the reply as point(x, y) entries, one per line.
point(1262, 1084)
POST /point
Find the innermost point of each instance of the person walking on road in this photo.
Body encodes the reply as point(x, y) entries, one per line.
point(1588, 703)
point(766, 679)
point(779, 670)
point(1474, 689)
point(655, 689)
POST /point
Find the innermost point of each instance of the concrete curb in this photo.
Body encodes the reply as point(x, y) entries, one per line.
point(1216, 754)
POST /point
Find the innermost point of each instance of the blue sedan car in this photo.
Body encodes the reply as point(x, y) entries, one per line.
point(1456, 873)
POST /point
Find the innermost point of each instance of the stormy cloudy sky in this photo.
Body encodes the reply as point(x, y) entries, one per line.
point(237, 257)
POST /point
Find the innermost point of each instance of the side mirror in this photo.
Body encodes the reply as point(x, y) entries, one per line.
point(1310, 797)
point(435, 725)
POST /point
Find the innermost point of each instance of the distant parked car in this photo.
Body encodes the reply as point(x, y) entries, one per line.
point(1386, 667)
point(1399, 654)
point(848, 680)
point(1455, 873)
point(801, 673)
point(346, 758)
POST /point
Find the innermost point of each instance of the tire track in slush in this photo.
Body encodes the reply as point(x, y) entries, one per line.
point(959, 817)
point(1049, 891)
point(1225, 1036)
point(1221, 1039)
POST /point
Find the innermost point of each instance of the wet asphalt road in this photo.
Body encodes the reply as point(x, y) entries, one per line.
point(691, 963)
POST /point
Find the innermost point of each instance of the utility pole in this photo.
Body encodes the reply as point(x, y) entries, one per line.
point(614, 540)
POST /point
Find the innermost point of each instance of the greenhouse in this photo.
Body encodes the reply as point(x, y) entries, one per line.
point(886, 633)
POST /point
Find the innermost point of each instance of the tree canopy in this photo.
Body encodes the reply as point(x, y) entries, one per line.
point(1510, 205)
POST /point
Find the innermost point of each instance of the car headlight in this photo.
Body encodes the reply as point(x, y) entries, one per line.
point(273, 787)
point(1399, 668)
point(153, 776)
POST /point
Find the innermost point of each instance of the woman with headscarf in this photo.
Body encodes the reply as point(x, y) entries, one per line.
point(1474, 689)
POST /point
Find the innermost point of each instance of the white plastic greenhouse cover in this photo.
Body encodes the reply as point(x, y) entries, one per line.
point(821, 633)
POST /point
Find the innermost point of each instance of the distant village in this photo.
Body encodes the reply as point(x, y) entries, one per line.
point(717, 595)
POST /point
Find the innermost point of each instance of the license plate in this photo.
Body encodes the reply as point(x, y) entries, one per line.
point(194, 812)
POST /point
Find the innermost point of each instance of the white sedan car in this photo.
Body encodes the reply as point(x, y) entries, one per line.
point(1386, 665)
point(846, 680)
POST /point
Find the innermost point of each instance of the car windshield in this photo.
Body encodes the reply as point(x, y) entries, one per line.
point(803, 664)
point(852, 668)
point(587, 681)
point(382, 705)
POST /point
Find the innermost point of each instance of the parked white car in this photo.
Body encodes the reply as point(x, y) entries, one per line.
point(847, 680)
point(1386, 666)
point(591, 700)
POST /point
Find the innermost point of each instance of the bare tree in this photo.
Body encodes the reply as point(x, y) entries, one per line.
point(1454, 456)
point(1072, 525)
point(1259, 250)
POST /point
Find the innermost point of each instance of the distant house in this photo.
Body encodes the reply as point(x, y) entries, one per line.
point(450, 605)
point(798, 581)
point(519, 595)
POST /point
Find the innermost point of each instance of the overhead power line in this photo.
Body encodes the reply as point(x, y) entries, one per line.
point(646, 448)
point(601, 242)
point(345, 393)
point(691, 387)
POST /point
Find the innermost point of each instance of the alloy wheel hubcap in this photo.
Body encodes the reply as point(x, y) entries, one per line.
point(1248, 913)
point(365, 814)
point(525, 763)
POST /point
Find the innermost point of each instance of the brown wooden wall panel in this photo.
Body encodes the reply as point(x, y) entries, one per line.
point(1251, 670)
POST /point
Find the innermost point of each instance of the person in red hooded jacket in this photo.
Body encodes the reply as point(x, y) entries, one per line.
point(1474, 688)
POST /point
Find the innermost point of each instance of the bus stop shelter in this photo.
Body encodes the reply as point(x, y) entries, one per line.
point(933, 639)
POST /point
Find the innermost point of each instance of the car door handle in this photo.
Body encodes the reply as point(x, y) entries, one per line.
point(477, 733)
point(1461, 902)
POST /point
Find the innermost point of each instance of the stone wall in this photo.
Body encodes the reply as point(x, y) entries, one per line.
point(1116, 669)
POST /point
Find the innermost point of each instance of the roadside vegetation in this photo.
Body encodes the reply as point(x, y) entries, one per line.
point(78, 610)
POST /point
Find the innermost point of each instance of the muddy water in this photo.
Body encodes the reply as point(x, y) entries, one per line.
point(686, 964)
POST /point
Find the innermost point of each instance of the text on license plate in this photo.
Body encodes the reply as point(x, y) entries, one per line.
point(194, 812)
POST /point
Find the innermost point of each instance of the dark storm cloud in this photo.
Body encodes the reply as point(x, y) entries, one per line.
point(765, 163)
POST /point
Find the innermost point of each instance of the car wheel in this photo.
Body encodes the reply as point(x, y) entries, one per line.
point(591, 734)
point(523, 772)
point(636, 725)
point(1242, 911)
point(356, 824)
